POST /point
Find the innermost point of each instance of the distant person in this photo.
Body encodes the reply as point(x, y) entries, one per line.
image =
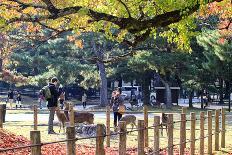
point(61, 97)
point(41, 99)
point(139, 98)
point(18, 100)
point(11, 97)
point(52, 103)
point(116, 101)
point(83, 100)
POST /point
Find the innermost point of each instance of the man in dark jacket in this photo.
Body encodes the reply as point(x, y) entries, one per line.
point(52, 103)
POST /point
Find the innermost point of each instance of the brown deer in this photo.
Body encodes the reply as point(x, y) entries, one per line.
point(129, 119)
point(62, 118)
point(79, 117)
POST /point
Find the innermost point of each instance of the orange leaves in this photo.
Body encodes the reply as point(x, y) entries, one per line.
point(77, 42)
point(8, 76)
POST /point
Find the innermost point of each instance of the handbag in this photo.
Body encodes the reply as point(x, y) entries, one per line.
point(122, 109)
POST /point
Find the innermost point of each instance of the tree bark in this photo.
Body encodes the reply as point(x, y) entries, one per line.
point(227, 89)
point(102, 72)
point(145, 91)
point(1, 64)
point(168, 94)
point(202, 100)
point(221, 91)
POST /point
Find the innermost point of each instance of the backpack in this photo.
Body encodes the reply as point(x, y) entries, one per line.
point(46, 92)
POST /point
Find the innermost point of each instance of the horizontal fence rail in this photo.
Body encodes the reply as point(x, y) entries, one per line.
point(142, 131)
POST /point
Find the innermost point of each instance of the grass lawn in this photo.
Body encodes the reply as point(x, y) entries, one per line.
point(24, 128)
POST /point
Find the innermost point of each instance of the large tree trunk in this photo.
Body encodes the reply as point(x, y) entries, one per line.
point(103, 85)
point(168, 94)
point(191, 99)
point(146, 92)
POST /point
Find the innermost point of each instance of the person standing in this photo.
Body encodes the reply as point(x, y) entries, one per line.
point(116, 101)
point(11, 97)
point(52, 103)
point(83, 100)
point(19, 100)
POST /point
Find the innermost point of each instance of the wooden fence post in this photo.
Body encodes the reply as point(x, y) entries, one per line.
point(72, 121)
point(192, 137)
point(223, 131)
point(182, 133)
point(108, 126)
point(35, 117)
point(217, 112)
point(156, 134)
point(145, 109)
point(170, 134)
point(209, 115)
point(1, 117)
point(70, 145)
point(100, 140)
point(140, 137)
point(184, 110)
point(122, 138)
point(202, 121)
point(35, 139)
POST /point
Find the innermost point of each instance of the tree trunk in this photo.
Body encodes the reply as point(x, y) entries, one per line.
point(202, 100)
point(221, 91)
point(168, 94)
point(1, 64)
point(145, 91)
point(227, 90)
point(102, 72)
point(191, 99)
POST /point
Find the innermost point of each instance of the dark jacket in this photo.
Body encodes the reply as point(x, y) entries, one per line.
point(116, 102)
point(11, 95)
point(54, 96)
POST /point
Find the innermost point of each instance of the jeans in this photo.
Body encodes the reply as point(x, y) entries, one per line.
point(117, 117)
point(51, 118)
point(84, 104)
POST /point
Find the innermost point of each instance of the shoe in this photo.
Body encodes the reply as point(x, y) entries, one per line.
point(52, 132)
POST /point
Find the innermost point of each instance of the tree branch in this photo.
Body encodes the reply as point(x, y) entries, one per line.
point(127, 9)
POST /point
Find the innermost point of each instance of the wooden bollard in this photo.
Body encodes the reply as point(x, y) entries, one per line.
point(122, 138)
point(35, 117)
point(70, 145)
point(202, 121)
point(217, 112)
point(35, 139)
point(108, 126)
point(184, 110)
point(145, 111)
point(223, 131)
point(192, 136)
point(209, 115)
point(182, 133)
point(170, 134)
point(72, 121)
point(140, 137)
point(100, 140)
point(1, 117)
point(156, 134)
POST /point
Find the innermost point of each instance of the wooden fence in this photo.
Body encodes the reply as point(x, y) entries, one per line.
point(142, 130)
